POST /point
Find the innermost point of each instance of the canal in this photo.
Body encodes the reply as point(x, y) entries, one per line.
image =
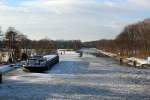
point(75, 78)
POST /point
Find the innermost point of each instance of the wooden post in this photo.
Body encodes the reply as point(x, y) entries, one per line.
point(121, 61)
point(0, 78)
point(134, 63)
point(81, 54)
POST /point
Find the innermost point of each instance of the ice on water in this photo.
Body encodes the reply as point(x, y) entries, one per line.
point(75, 78)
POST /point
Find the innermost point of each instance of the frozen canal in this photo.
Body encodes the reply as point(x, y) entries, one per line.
point(74, 78)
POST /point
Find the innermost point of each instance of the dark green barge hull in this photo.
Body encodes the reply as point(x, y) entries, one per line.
point(41, 69)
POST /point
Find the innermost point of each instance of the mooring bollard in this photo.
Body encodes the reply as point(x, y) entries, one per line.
point(134, 63)
point(0, 78)
point(81, 54)
point(121, 61)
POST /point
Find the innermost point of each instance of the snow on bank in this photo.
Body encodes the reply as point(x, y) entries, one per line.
point(69, 53)
point(8, 68)
point(140, 62)
point(130, 61)
point(107, 53)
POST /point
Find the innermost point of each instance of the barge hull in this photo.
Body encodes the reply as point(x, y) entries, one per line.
point(50, 63)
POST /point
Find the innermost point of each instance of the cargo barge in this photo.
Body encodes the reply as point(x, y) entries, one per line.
point(41, 64)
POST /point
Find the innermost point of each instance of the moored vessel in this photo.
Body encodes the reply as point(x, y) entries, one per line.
point(41, 63)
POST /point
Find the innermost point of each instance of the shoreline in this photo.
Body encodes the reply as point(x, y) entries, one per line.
point(132, 61)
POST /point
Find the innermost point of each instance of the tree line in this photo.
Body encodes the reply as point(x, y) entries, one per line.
point(134, 40)
point(18, 44)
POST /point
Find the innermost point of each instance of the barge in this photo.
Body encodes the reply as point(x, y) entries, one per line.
point(41, 64)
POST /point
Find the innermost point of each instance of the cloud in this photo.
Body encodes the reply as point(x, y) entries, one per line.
point(141, 3)
point(71, 19)
point(57, 6)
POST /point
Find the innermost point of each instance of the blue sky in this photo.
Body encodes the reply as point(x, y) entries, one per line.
point(72, 19)
point(14, 2)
